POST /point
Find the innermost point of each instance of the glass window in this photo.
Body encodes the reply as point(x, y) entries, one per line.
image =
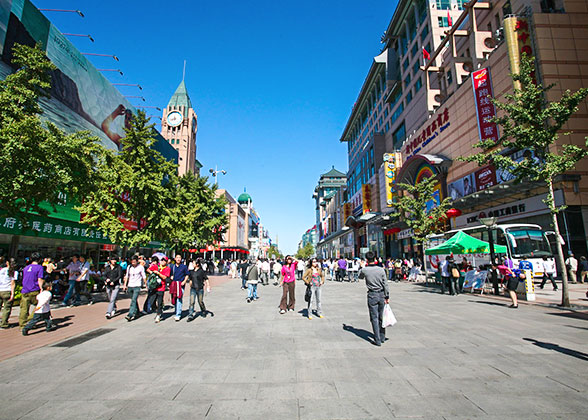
point(415, 49)
point(407, 80)
point(412, 28)
point(405, 64)
point(528, 242)
point(403, 44)
point(460, 4)
point(422, 10)
point(398, 136)
point(449, 78)
point(443, 21)
point(395, 98)
point(397, 113)
point(416, 68)
point(424, 33)
point(443, 4)
point(418, 84)
point(408, 97)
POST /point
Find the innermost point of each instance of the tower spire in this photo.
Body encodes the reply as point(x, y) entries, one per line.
point(184, 72)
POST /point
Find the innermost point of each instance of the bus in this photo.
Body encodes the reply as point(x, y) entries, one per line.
point(523, 242)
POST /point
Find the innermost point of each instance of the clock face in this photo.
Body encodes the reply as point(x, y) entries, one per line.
point(175, 118)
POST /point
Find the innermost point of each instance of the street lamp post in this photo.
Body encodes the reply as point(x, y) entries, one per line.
point(81, 35)
point(103, 55)
point(128, 84)
point(214, 172)
point(490, 222)
point(78, 12)
point(135, 96)
point(115, 70)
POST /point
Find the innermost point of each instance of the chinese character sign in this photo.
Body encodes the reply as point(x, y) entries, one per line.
point(485, 110)
point(392, 162)
point(366, 193)
point(518, 41)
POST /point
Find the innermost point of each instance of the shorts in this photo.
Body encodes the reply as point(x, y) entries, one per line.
point(512, 284)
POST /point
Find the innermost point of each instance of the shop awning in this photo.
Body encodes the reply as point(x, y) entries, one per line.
point(462, 243)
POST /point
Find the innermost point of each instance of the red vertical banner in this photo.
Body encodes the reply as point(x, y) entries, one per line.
point(482, 84)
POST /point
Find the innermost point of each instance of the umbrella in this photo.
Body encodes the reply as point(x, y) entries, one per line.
point(159, 255)
point(462, 243)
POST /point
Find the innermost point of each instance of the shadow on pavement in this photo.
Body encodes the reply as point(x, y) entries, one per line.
point(580, 328)
point(575, 315)
point(490, 303)
point(559, 349)
point(361, 333)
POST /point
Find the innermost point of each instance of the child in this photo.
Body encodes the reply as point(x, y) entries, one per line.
point(42, 311)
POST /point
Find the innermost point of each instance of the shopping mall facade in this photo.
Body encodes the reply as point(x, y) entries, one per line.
point(424, 104)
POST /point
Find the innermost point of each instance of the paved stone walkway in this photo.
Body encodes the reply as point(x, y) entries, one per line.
point(448, 357)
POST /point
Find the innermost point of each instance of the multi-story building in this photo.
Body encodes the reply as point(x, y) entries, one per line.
point(329, 183)
point(419, 103)
point(235, 242)
point(179, 126)
point(309, 237)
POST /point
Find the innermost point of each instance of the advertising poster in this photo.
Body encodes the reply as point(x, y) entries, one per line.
point(366, 194)
point(485, 178)
point(392, 163)
point(461, 187)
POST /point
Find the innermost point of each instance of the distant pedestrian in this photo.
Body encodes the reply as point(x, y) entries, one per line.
point(242, 268)
point(82, 281)
point(583, 269)
point(314, 277)
point(299, 269)
point(32, 282)
point(548, 272)
point(164, 274)
point(73, 269)
point(179, 278)
point(152, 285)
point(198, 282)
point(252, 280)
point(113, 275)
point(288, 285)
point(277, 270)
point(444, 268)
point(8, 277)
point(42, 310)
point(134, 278)
point(377, 296)
point(341, 269)
point(265, 272)
point(572, 267)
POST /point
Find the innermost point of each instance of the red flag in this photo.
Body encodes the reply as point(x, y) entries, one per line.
point(449, 21)
point(426, 54)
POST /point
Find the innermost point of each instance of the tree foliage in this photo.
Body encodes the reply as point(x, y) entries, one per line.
point(39, 163)
point(415, 208)
point(305, 252)
point(274, 252)
point(531, 123)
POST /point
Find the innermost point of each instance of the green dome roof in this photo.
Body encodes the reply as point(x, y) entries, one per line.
point(244, 198)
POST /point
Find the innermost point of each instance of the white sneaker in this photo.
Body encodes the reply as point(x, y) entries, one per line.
point(177, 318)
point(112, 314)
point(157, 319)
point(282, 311)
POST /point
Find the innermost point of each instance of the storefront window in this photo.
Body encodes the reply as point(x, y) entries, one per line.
point(443, 4)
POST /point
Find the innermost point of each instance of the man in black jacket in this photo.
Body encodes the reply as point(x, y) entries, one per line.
point(113, 276)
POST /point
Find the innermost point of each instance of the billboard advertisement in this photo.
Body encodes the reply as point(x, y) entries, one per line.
point(392, 162)
point(81, 97)
point(485, 110)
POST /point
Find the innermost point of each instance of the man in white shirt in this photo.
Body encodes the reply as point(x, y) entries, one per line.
point(445, 274)
point(572, 267)
point(8, 277)
point(548, 272)
point(265, 272)
point(133, 281)
point(82, 281)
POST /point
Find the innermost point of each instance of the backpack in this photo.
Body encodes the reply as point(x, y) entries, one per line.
point(153, 281)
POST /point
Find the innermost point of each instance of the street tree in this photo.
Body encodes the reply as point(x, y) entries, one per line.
point(39, 163)
point(419, 209)
point(305, 252)
point(274, 252)
point(131, 203)
point(197, 215)
point(531, 123)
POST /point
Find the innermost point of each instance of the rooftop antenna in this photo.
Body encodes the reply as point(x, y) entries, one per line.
point(184, 72)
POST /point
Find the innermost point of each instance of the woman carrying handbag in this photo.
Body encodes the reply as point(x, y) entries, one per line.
point(314, 277)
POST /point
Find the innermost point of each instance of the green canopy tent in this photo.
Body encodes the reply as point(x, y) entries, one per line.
point(462, 243)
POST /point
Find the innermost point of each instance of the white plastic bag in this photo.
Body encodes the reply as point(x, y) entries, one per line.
point(388, 318)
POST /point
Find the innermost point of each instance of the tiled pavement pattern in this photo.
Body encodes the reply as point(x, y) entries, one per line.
point(448, 358)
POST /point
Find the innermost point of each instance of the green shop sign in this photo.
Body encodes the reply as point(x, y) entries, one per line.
point(44, 227)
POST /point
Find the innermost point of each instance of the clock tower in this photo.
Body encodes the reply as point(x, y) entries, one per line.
point(179, 126)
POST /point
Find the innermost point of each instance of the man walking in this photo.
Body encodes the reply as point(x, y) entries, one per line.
point(133, 281)
point(198, 280)
point(265, 272)
point(252, 280)
point(445, 274)
point(179, 278)
point(32, 283)
point(572, 267)
point(377, 295)
point(583, 269)
point(242, 268)
point(82, 281)
point(341, 269)
point(73, 270)
point(548, 272)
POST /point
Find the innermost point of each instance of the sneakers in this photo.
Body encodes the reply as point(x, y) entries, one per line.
point(108, 316)
point(282, 311)
point(309, 316)
point(177, 318)
point(51, 328)
point(128, 318)
point(290, 310)
point(91, 302)
point(248, 300)
point(113, 313)
point(320, 316)
point(25, 332)
point(157, 319)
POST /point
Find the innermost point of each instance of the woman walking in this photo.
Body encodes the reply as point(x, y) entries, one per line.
point(512, 282)
point(113, 275)
point(314, 277)
point(288, 283)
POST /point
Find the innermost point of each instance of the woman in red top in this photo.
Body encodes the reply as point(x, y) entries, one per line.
point(163, 273)
point(288, 283)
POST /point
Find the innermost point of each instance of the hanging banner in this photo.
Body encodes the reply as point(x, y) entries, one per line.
point(518, 41)
point(347, 211)
point(392, 162)
point(366, 193)
point(482, 84)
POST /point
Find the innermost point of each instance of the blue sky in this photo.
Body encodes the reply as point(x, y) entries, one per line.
point(272, 82)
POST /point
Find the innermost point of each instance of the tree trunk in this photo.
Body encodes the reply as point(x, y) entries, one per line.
point(565, 296)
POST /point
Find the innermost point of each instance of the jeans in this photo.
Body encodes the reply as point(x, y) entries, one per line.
point(288, 296)
point(316, 295)
point(265, 277)
point(453, 285)
point(341, 274)
point(112, 294)
point(178, 307)
point(355, 274)
point(243, 283)
point(444, 283)
point(252, 291)
point(376, 302)
point(197, 294)
point(6, 305)
point(40, 317)
point(26, 301)
point(134, 309)
point(70, 291)
point(82, 289)
point(299, 274)
point(390, 273)
point(148, 305)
